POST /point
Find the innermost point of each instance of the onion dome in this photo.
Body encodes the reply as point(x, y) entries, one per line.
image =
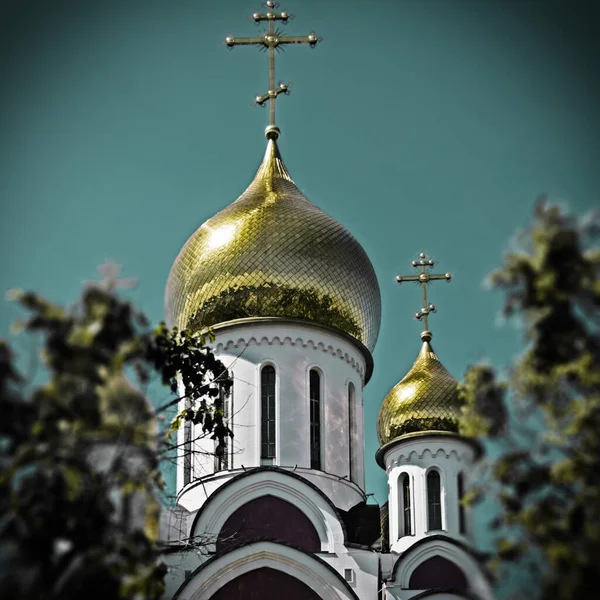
point(425, 400)
point(272, 253)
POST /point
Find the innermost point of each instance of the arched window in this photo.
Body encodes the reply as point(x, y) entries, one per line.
point(315, 419)
point(434, 502)
point(222, 450)
point(405, 515)
point(462, 522)
point(267, 412)
point(187, 449)
point(353, 434)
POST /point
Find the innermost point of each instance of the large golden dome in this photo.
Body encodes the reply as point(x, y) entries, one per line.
point(274, 254)
point(425, 400)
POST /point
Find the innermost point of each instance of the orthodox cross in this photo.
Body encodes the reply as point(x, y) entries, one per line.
point(272, 40)
point(110, 282)
point(424, 277)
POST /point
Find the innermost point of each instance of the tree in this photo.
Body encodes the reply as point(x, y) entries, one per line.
point(548, 408)
point(76, 451)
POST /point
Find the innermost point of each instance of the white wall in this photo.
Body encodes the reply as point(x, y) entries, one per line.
point(416, 455)
point(293, 348)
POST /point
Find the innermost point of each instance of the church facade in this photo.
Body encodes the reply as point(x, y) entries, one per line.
point(280, 511)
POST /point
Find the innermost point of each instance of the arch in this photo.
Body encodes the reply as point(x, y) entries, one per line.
point(265, 583)
point(479, 580)
point(308, 569)
point(434, 500)
point(273, 481)
point(268, 411)
point(315, 392)
point(269, 517)
point(438, 572)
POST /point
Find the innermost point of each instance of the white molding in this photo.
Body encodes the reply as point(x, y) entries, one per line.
point(280, 485)
point(413, 455)
point(455, 554)
point(243, 342)
point(226, 568)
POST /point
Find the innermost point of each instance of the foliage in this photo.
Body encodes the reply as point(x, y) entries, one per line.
point(273, 300)
point(75, 451)
point(548, 487)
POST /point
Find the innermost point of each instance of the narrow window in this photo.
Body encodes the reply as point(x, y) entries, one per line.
point(221, 450)
point(315, 419)
point(462, 524)
point(353, 433)
point(434, 500)
point(406, 506)
point(187, 451)
point(267, 414)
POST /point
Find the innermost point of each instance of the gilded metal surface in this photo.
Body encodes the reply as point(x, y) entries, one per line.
point(273, 253)
point(426, 399)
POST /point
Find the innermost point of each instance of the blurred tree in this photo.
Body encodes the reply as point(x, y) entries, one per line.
point(79, 455)
point(548, 482)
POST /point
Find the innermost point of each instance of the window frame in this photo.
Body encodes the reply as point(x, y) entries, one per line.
point(403, 509)
point(270, 455)
point(352, 433)
point(187, 449)
point(431, 527)
point(315, 408)
point(222, 459)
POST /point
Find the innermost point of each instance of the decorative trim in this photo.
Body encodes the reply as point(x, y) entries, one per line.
point(222, 568)
point(276, 340)
point(364, 351)
point(426, 453)
point(463, 555)
point(241, 489)
point(448, 435)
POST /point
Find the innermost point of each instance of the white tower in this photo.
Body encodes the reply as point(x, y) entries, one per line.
point(427, 465)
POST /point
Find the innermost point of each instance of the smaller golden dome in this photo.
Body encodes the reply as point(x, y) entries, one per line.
point(425, 400)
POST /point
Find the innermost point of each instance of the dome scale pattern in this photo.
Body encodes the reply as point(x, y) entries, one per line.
point(272, 253)
point(425, 400)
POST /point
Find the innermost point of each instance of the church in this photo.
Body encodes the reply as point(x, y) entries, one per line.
point(281, 511)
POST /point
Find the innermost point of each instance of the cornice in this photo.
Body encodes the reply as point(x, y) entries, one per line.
point(433, 438)
point(276, 340)
point(426, 453)
point(311, 342)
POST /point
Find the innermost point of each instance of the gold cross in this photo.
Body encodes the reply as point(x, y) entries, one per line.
point(424, 277)
point(272, 40)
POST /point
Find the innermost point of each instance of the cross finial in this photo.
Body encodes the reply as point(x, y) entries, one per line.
point(272, 40)
point(424, 264)
point(110, 282)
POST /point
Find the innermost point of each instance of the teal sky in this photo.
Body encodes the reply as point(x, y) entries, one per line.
point(420, 125)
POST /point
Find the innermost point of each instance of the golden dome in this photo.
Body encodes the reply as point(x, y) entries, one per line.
point(425, 400)
point(274, 254)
